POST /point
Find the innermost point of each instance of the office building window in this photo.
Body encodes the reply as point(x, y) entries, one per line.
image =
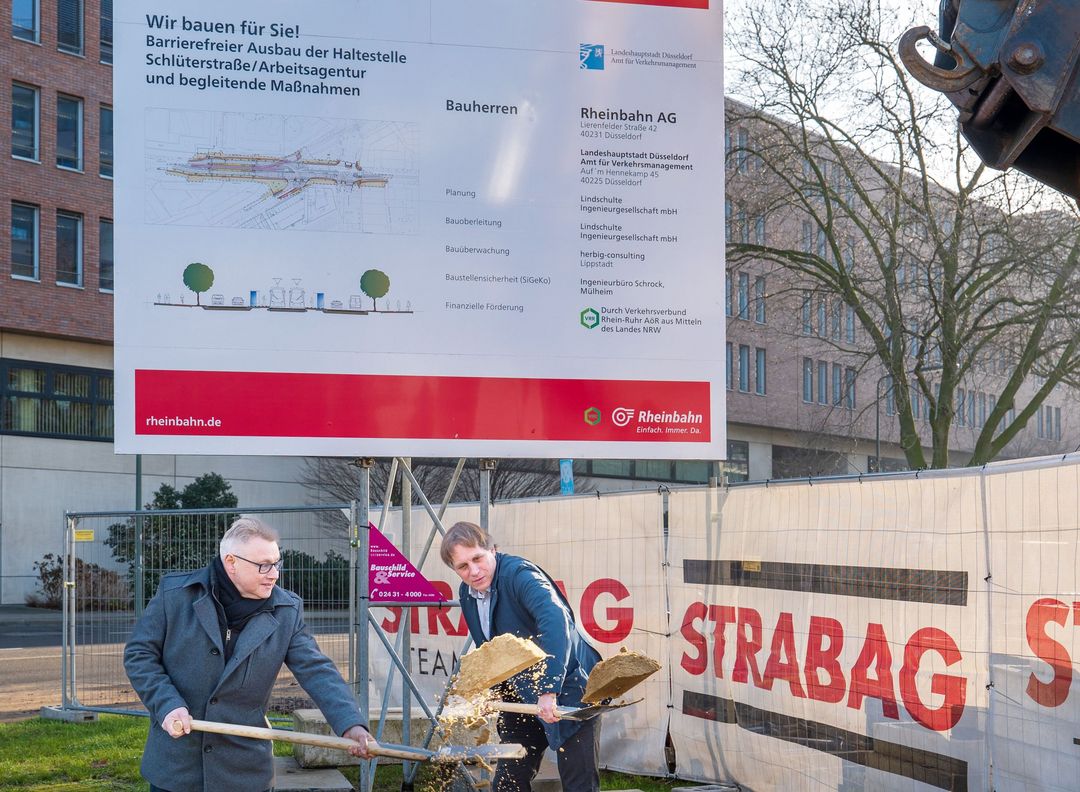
point(105, 142)
point(744, 368)
point(807, 313)
point(24, 19)
point(822, 382)
point(24, 241)
point(890, 397)
point(849, 325)
point(916, 403)
point(759, 230)
point(807, 380)
point(822, 316)
point(105, 31)
point(730, 366)
point(759, 371)
point(759, 299)
point(837, 383)
point(69, 261)
point(728, 304)
point(69, 26)
point(1040, 430)
point(807, 237)
point(849, 388)
point(69, 132)
point(982, 409)
point(24, 121)
point(961, 414)
point(971, 409)
point(55, 401)
point(737, 465)
point(744, 295)
point(1057, 423)
point(738, 140)
point(105, 248)
point(822, 244)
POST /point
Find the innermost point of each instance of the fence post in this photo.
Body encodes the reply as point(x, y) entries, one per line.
point(362, 671)
point(68, 665)
point(139, 563)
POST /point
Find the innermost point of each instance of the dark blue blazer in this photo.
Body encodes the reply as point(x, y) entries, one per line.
point(525, 602)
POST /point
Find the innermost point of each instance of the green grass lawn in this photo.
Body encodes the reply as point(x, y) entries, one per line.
point(52, 756)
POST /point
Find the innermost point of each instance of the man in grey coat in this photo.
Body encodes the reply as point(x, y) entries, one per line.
point(209, 646)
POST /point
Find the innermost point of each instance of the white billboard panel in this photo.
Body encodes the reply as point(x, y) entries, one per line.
point(419, 227)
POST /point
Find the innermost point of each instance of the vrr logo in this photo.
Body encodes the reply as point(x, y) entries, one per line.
point(621, 416)
point(592, 416)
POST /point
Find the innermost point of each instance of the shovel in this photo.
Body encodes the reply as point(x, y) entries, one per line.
point(481, 754)
point(562, 713)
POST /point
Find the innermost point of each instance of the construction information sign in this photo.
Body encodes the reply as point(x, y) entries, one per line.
point(426, 227)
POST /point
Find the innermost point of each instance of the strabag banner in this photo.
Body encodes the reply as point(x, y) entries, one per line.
point(613, 576)
point(436, 228)
point(901, 632)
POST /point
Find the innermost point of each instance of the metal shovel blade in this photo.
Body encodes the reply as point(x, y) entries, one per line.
point(480, 754)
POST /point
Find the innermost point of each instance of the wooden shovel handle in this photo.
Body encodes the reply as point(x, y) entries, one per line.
point(301, 738)
point(527, 709)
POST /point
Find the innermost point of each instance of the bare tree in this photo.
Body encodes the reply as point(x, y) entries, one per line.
point(956, 275)
point(339, 479)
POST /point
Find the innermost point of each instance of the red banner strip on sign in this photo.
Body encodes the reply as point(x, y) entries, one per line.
point(666, 3)
point(264, 404)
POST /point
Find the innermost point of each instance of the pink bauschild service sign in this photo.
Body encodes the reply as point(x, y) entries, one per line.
point(392, 577)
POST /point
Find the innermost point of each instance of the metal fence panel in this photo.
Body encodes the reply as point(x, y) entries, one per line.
point(114, 561)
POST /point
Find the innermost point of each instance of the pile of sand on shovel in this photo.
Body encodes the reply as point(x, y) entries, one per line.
point(616, 675)
point(495, 661)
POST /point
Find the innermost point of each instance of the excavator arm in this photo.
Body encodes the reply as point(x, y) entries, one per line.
point(1010, 67)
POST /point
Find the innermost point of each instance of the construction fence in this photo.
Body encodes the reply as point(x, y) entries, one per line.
point(904, 631)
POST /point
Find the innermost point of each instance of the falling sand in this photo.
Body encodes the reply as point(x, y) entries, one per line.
point(495, 661)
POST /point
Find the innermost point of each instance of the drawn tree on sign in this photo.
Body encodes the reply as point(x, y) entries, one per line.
point(199, 278)
point(374, 283)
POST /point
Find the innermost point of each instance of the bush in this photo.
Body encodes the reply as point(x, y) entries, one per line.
point(96, 588)
point(172, 543)
point(321, 584)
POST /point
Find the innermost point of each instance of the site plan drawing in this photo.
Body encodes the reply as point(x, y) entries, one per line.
point(255, 170)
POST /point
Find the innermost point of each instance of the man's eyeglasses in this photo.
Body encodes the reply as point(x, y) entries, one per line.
point(264, 569)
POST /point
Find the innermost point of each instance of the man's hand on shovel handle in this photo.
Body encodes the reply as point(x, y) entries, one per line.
point(361, 736)
point(545, 708)
point(177, 723)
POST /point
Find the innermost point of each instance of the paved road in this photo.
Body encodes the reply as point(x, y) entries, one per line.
point(30, 652)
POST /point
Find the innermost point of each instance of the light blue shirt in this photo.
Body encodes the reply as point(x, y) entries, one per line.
point(483, 610)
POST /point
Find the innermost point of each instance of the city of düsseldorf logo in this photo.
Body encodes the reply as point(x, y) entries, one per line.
point(592, 416)
point(621, 416)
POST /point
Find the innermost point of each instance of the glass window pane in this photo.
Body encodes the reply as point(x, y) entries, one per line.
point(106, 32)
point(659, 469)
point(68, 132)
point(105, 142)
point(690, 470)
point(759, 371)
point(105, 247)
point(24, 18)
point(611, 467)
point(744, 368)
point(24, 236)
point(68, 248)
point(24, 114)
point(26, 380)
point(66, 383)
point(69, 25)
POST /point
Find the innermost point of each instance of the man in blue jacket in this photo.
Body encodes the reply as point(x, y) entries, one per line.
point(209, 646)
point(502, 593)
